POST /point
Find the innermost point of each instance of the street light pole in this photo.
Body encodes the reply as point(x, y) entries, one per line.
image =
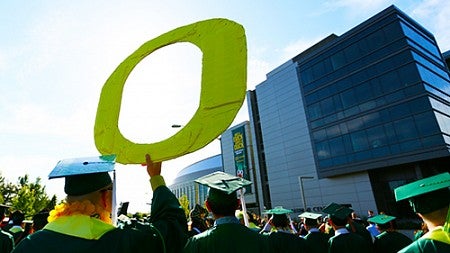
point(300, 180)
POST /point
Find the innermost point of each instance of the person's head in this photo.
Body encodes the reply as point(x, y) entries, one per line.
point(383, 222)
point(221, 203)
point(17, 218)
point(222, 194)
point(338, 215)
point(3, 209)
point(280, 220)
point(40, 220)
point(311, 220)
point(428, 197)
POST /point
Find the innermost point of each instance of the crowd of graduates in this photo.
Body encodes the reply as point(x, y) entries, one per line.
point(83, 222)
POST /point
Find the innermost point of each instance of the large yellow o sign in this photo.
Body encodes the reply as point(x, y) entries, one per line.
point(223, 87)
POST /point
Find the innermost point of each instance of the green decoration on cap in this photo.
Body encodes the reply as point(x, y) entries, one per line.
point(381, 219)
point(278, 210)
point(223, 182)
point(84, 175)
point(223, 87)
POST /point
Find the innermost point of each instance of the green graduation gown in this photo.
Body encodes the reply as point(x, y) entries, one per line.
point(317, 241)
point(227, 235)
point(6, 241)
point(359, 229)
point(390, 242)
point(424, 245)
point(286, 242)
point(168, 220)
point(347, 242)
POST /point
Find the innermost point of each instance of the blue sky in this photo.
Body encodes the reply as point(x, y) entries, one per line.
point(56, 55)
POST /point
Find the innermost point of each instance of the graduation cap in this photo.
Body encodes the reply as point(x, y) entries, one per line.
point(84, 175)
point(278, 210)
point(381, 219)
point(309, 215)
point(337, 211)
point(426, 195)
point(223, 182)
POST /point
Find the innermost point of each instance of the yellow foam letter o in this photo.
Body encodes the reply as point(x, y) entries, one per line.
point(223, 87)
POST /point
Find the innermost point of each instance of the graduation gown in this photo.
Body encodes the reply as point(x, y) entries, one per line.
point(81, 233)
point(423, 245)
point(227, 235)
point(6, 241)
point(286, 242)
point(317, 241)
point(390, 242)
point(349, 243)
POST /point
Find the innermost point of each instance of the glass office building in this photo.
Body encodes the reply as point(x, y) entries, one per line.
point(353, 117)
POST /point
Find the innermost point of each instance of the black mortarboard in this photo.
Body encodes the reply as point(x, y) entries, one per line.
point(84, 175)
point(426, 195)
point(338, 211)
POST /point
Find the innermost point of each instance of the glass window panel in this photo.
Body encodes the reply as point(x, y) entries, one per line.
point(375, 40)
point(338, 60)
point(389, 81)
point(371, 119)
point(355, 124)
point(340, 160)
point(419, 105)
point(333, 131)
point(376, 137)
point(352, 52)
point(306, 76)
point(444, 122)
point(314, 111)
point(399, 111)
point(327, 106)
point(405, 129)
point(343, 128)
point(367, 106)
point(347, 143)
point(363, 92)
point(348, 98)
point(380, 152)
point(327, 65)
point(337, 102)
point(319, 135)
point(375, 87)
point(322, 150)
point(359, 141)
point(432, 141)
point(410, 145)
point(420, 39)
point(413, 90)
point(409, 74)
point(390, 133)
point(337, 147)
point(392, 31)
point(395, 96)
point(318, 70)
point(351, 111)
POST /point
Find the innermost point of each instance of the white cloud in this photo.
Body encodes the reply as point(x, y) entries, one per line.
point(434, 16)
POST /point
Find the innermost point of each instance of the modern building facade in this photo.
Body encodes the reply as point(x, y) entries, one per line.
point(353, 117)
point(345, 121)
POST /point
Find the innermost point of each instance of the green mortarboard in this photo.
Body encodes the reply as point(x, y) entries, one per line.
point(381, 219)
point(84, 175)
point(223, 182)
point(338, 211)
point(278, 210)
point(426, 195)
point(309, 215)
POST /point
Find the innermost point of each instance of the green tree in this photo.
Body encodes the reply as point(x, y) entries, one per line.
point(29, 197)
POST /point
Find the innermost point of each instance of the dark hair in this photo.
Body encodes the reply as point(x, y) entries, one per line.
point(222, 203)
point(311, 222)
point(338, 221)
point(17, 217)
point(280, 220)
